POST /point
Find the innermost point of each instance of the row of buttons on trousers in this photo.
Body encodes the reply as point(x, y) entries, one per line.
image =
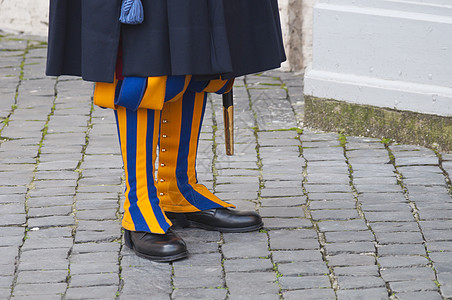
point(164, 121)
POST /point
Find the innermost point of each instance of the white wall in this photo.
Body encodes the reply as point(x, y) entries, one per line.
point(28, 16)
point(386, 53)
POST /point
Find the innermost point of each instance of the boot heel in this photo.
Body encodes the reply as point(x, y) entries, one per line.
point(128, 239)
point(178, 220)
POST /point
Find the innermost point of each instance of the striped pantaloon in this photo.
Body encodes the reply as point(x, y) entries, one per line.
point(174, 133)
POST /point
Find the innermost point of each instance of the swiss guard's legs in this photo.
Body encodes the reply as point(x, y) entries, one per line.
point(146, 226)
point(152, 207)
point(186, 202)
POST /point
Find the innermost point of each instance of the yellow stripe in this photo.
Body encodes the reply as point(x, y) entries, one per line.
point(154, 150)
point(127, 222)
point(215, 85)
point(191, 172)
point(141, 173)
point(173, 200)
point(181, 94)
point(155, 93)
point(197, 114)
point(104, 94)
point(230, 85)
point(172, 111)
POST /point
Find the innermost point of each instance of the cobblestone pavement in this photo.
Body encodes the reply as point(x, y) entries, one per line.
point(345, 217)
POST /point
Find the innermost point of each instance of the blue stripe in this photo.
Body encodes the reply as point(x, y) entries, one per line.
point(152, 190)
point(137, 217)
point(197, 85)
point(174, 85)
point(132, 92)
point(119, 138)
point(117, 90)
point(199, 131)
point(117, 127)
point(196, 199)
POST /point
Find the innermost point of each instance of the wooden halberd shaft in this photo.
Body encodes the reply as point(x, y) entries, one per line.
point(228, 116)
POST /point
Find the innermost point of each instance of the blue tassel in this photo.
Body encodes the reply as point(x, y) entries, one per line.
point(132, 12)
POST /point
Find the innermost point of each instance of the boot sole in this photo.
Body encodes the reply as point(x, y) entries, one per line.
point(192, 224)
point(162, 259)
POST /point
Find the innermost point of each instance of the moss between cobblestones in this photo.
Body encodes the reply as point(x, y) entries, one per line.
point(403, 126)
point(298, 130)
point(30, 186)
point(5, 121)
point(259, 164)
point(321, 235)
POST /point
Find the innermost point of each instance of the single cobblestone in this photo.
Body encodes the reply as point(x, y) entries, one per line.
point(370, 270)
point(39, 289)
point(302, 269)
point(402, 261)
point(306, 282)
point(385, 238)
point(359, 282)
point(293, 240)
point(349, 236)
point(194, 294)
point(282, 212)
point(419, 295)
point(299, 255)
point(342, 260)
point(314, 294)
point(413, 286)
point(94, 292)
point(286, 223)
point(401, 249)
point(42, 276)
point(372, 293)
point(401, 274)
point(239, 284)
point(355, 247)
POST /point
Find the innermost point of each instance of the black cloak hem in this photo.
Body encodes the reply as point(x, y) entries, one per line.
point(207, 38)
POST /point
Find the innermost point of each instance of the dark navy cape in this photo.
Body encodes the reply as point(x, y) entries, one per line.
point(178, 37)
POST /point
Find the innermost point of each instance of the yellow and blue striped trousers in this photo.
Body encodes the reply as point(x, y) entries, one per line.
point(174, 132)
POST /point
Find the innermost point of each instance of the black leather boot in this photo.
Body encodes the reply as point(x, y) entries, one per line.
point(157, 247)
point(218, 219)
